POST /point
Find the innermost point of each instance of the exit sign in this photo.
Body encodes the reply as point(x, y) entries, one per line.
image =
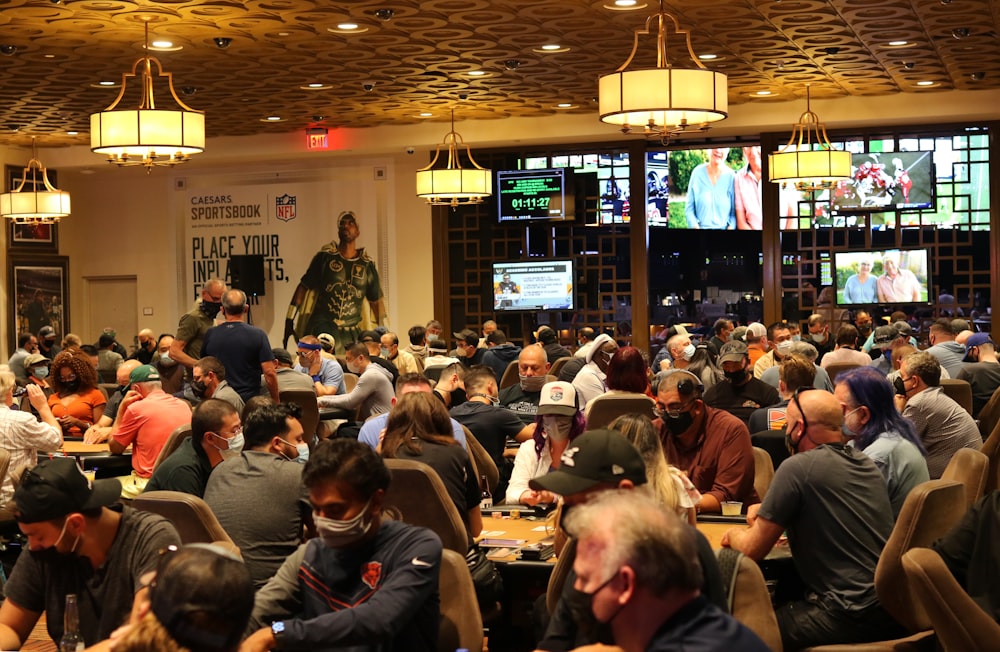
point(316, 138)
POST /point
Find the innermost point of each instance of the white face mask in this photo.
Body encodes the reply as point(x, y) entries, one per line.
point(819, 338)
point(689, 351)
point(354, 368)
point(784, 347)
point(166, 361)
point(235, 445)
point(342, 534)
point(554, 428)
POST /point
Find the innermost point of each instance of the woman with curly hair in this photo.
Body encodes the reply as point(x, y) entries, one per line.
point(419, 428)
point(671, 488)
point(557, 423)
point(76, 402)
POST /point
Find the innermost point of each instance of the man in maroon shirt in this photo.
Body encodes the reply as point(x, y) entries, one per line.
point(711, 446)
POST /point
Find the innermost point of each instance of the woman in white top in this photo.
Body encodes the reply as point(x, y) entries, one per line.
point(671, 488)
point(557, 422)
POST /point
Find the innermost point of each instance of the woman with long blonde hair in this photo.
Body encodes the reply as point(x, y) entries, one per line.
point(669, 485)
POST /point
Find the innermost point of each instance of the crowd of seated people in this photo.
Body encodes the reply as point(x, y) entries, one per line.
point(886, 424)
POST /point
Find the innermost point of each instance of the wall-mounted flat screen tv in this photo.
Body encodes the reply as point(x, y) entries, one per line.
point(885, 276)
point(533, 285)
point(886, 181)
point(528, 195)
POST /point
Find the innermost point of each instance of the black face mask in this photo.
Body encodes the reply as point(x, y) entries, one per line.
point(50, 343)
point(458, 396)
point(199, 388)
point(679, 424)
point(899, 386)
point(123, 389)
point(210, 309)
point(735, 376)
point(71, 386)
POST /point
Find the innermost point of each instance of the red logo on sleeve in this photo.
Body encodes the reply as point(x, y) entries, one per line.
point(371, 574)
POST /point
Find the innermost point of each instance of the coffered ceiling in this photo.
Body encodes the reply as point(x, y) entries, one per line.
point(245, 60)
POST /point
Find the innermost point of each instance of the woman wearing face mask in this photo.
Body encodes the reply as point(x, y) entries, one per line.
point(557, 423)
point(419, 428)
point(701, 365)
point(873, 425)
point(673, 489)
point(76, 401)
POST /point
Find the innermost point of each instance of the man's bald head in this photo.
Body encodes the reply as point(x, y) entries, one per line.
point(124, 370)
point(821, 418)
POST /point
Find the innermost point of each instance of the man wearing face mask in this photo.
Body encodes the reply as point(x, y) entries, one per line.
point(147, 347)
point(216, 435)
point(186, 347)
point(482, 415)
point(780, 337)
point(833, 502)
point(209, 381)
point(274, 452)
point(147, 417)
point(591, 381)
point(100, 431)
point(522, 398)
point(681, 351)
point(600, 462)
point(373, 393)
point(819, 333)
point(710, 445)
point(171, 373)
point(36, 366)
point(639, 566)
point(740, 393)
point(365, 583)
point(79, 541)
point(47, 342)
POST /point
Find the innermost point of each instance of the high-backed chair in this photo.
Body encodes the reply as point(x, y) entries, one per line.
point(557, 580)
point(989, 415)
point(970, 467)
point(419, 496)
point(763, 471)
point(193, 518)
point(306, 400)
point(960, 623)
point(606, 408)
point(746, 591)
point(838, 367)
point(557, 366)
point(174, 442)
point(461, 625)
point(483, 462)
point(991, 449)
point(510, 375)
point(350, 381)
point(960, 391)
point(929, 511)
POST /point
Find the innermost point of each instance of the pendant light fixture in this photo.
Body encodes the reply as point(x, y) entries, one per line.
point(808, 160)
point(35, 200)
point(454, 185)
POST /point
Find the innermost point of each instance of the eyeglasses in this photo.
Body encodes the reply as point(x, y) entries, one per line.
point(798, 406)
point(660, 409)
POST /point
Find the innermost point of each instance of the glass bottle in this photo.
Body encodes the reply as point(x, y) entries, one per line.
point(487, 500)
point(72, 640)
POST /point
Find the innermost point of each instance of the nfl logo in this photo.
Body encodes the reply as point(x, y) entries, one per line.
point(284, 207)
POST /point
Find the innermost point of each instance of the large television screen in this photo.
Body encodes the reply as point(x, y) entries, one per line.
point(889, 276)
point(527, 195)
point(886, 181)
point(717, 188)
point(533, 285)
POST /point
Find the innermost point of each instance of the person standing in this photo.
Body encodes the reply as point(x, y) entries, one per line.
point(187, 343)
point(242, 349)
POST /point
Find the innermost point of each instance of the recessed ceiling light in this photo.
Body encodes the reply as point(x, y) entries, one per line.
point(425, 114)
point(708, 57)
point(162, 44)
point(898, 44)
point(625, 5)
point(565, 105)
point(49, 56)
point(551, 46)
point(347, 26)
point(475, 73)
point(72, 133)
point(282, 33)
point(925, 83)
point(762, 93)
point(314, 86)
point(271, 118)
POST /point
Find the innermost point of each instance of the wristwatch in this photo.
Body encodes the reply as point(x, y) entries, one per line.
point(278, 631)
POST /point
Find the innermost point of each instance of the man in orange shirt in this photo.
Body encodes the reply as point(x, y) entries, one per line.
point(757, 344)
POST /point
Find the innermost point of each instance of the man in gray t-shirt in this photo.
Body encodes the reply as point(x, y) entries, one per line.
point(833, 503)
point(79, 545)
point(258, 496)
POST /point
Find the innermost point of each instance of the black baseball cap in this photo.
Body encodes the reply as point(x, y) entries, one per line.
point(282, 355)
point(368, 337)
point(57, 487)
point(595, 457)
point(467, 335)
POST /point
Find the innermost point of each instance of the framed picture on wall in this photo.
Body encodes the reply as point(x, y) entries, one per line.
point(38, 293)
point(33, 237)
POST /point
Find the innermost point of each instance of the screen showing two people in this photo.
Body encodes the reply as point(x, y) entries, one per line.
point(892, 276)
